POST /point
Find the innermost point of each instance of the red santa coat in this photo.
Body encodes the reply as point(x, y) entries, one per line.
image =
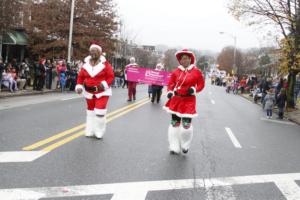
point(181, 80)
point(92, 76)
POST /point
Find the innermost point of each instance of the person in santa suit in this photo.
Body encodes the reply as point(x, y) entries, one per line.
point(185, 82)
point(157, 89)
point(131, 84)
point(94, 80)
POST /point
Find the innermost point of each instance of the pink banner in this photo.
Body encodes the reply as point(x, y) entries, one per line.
point(147, 76)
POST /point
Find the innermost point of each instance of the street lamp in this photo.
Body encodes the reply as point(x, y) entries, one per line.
point(234, 52)
point(71, 31)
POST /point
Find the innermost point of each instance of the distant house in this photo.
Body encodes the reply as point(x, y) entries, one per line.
point(15, 44)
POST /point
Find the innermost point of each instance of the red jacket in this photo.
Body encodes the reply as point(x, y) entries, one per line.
point(94, 76)
point(181, 80)
point(182, 104)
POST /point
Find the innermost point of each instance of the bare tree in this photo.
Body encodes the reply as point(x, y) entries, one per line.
point(170, 60)
point(283, 15)
point(226, 59)
point(49, 26)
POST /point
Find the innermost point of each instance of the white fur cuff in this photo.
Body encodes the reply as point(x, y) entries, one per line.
point(194, 90)
point(78, 86)
point(105, 85)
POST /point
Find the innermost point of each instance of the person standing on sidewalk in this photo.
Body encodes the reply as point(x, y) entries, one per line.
point(269, 102)
point(131, 84)
point(185, 82)
point(49, 74)
point(281, 101)
point(1, 72)
point(94, 80)
point(42, 73)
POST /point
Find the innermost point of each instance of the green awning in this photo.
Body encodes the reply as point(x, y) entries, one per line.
point(15, 38)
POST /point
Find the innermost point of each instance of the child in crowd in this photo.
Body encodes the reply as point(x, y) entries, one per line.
point(269, 102)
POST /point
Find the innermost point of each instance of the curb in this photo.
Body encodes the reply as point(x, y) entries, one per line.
point(289, 119)
point(31, 93)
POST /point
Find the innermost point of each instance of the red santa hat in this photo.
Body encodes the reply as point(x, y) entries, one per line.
point(95, 44)
point(179, 54)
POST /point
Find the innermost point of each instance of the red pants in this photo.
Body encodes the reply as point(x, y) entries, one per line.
point(131, 90)
point(98, 105)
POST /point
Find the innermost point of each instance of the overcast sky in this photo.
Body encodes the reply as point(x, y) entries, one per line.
point(189, 23)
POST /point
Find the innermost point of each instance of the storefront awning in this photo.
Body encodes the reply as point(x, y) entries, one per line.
point(15, 38)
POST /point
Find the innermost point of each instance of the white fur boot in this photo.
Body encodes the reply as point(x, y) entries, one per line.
point(186, 136)
point(99, 126)
point(173, 136)
point(89, 128)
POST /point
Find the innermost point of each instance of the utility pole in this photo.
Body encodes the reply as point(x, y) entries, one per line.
point(71, 31)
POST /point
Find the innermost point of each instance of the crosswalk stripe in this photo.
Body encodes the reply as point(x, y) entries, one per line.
point(138, 190)
point(20, 156)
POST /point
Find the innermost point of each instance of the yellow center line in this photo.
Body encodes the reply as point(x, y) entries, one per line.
point(126, 111)
point(55, 137)
point(76, 135)
point(74, 129)
point(62, 142)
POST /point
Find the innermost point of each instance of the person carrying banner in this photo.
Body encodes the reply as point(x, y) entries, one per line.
point(131, 84)
point(157, 89)
point(94, 80)
point(185, 82)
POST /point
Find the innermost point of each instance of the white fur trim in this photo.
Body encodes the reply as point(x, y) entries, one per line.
point(89, 127)
point(186, 137)
point(100, 126)
point(107, 92)
point(180, 114)
point(96, 46)
point(93, 70)
point(174, 139)
point(188, 68)
point(100, 111)
point(186, 52)
point(105, 85)
point(79, 86)
point(194, 90)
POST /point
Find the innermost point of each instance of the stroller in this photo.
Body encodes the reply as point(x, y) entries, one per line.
point(256, 94)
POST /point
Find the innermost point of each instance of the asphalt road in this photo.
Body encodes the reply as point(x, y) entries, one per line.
point(236, 153)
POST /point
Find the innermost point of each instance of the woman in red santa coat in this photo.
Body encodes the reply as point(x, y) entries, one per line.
point(185, 82)
point(94, 80)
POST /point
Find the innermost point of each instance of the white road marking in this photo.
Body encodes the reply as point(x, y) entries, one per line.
point(233, 138)
point(66, 99)
point(289, 189)
point(20, 156)
point(138, 190)
point(212, 101)
point(277, 121)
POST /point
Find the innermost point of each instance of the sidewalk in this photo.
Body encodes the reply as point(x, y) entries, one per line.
point(29, 91)
point(293, 116)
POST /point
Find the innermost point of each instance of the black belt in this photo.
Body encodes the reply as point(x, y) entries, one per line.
point(182, 95)
point(93, 89)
